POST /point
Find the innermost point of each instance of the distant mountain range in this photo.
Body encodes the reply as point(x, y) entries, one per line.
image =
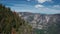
point(40, 21)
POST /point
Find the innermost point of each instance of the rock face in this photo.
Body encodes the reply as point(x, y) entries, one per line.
point(40, 21)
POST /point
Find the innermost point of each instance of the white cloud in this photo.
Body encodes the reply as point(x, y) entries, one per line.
point(56, 6)
point(28, 0)
point(38, 6)
point(42, 1)
point(47, 10)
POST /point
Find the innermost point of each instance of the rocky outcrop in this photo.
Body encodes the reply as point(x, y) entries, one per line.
point(40, 21)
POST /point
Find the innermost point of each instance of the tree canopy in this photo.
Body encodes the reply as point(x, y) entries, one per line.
point(10, 22)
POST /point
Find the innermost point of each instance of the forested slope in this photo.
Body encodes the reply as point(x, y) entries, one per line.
point(11, 23)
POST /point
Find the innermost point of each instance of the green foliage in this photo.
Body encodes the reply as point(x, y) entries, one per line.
point(9, 20)
point(39, 31)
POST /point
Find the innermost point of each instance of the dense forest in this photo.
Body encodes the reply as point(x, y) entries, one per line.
point(11, 23)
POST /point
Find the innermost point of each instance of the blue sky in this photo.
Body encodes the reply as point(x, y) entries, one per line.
point(35, 6)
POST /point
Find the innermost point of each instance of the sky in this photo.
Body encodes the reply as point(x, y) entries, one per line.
point(35, 6)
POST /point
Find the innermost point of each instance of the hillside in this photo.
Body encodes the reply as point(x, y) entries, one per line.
point(46, 23)
point(11, 22)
